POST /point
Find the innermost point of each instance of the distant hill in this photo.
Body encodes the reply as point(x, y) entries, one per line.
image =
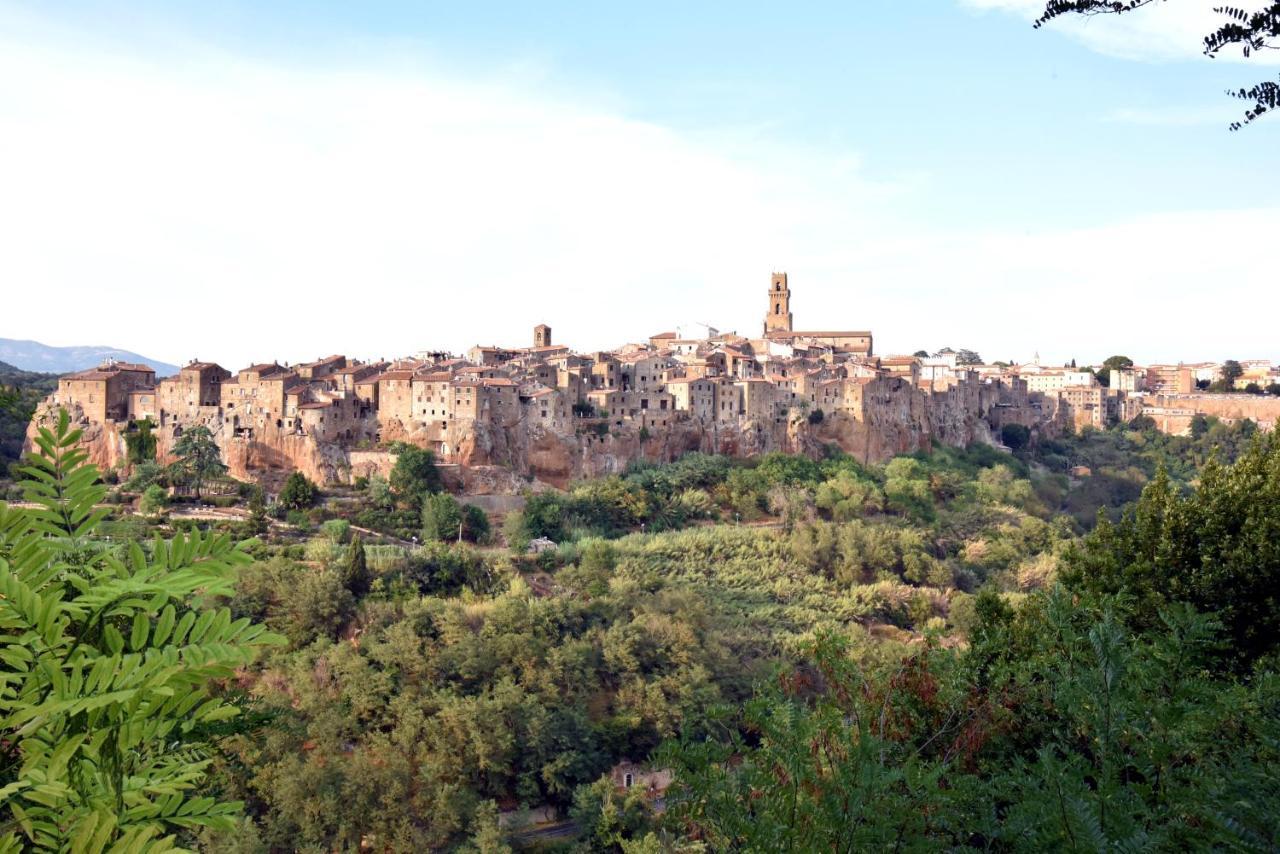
point(34, 356)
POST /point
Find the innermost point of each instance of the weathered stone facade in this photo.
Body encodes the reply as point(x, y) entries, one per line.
point(546, 413)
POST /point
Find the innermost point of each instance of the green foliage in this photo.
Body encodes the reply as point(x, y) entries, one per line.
point(608, 818)
point(20, 394)
point(140, 442)
point(1122, 462)
point(455, 678)
point(336, 531)
point(1058, 732)
point(154, 499)
point(355, 569)
point(298, 492)
point(1216, 548)
point(444, 519)
point(198, 459)
point(1015, 436)
point(414, 475)
point(144, 475)
point(109, 718)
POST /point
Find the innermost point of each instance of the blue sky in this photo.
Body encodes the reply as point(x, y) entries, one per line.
point(937, 171)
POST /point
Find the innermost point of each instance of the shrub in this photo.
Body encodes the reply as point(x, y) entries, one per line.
point(154, 499)
point(1015, 436)
point(443, 518)
point(336, 530)
point(298, 493)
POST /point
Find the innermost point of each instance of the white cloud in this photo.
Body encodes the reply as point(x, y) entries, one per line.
point(1169, 30)
point(284, 211)
point(216, 207)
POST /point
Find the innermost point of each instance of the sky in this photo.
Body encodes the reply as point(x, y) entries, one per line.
point(245, 182)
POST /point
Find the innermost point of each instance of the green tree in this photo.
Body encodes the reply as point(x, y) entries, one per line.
point(109, 722)
point(355, 569)
point(414, 475)
point(1231, 371)
point(1112, 363)
point(1015, 436)
point(441, 516)
point(197, 458)
point(257, 524)
point(1252, 32)
point(1057, 731)
point(1216, 548)
point(140, 442)
point(153, 500)
point(298, 492)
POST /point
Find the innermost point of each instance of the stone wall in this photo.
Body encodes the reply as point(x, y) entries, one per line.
point(892, 417)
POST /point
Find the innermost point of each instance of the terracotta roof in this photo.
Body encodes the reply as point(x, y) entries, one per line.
point(396, 375)
point(104, 372)
point(264, 368)
point(326, 360)
point(662, 336)
point(637, 356)
point(314, 406)
point(437, 377)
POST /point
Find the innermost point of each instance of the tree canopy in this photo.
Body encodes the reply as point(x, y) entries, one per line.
point(414, 475)
point(198, 458)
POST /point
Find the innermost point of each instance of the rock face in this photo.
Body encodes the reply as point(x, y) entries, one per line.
point(894, 418)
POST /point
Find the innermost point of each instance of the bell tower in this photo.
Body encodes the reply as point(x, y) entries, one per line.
point(779, 317)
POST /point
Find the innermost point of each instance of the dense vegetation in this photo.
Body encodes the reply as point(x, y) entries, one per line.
point(948, 650)
point(1099, 714)
point(20, 392)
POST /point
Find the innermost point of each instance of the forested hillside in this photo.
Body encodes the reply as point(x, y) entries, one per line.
point(947, 651)
point(20, 391)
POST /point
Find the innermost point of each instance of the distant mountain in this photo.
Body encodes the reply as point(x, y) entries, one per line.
point(34, 356)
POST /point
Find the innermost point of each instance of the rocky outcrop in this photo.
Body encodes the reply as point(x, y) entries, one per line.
point(491, 459)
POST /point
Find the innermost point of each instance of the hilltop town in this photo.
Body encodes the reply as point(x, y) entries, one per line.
point(501, 416)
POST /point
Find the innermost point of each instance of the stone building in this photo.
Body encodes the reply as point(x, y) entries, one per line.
point(103, 392)
point(538, 410)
